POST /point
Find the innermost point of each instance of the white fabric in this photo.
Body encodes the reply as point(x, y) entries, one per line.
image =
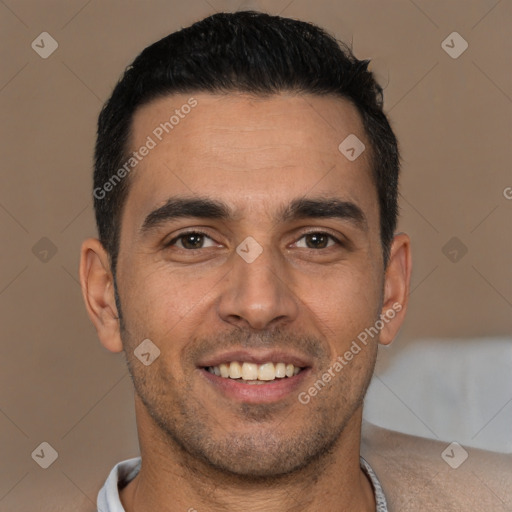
point(125, 471)
point(446, 389)
point(121, 475)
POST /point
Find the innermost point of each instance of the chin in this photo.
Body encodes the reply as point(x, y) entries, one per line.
point(264, 454)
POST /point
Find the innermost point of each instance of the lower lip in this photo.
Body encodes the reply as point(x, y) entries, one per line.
point(271, 391)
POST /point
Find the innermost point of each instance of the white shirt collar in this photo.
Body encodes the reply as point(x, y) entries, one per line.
point(125, 471)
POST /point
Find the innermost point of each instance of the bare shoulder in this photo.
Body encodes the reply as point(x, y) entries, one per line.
point(415, 476)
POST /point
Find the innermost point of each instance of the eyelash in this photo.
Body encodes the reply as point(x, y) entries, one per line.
point(199, 232)
point(184, 234)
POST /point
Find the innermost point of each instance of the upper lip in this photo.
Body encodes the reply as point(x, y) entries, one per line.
point(256, 357)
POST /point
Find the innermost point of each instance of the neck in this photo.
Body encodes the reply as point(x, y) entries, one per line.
point(172, 480)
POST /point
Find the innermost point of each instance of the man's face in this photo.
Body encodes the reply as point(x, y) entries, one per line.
point(298, 291)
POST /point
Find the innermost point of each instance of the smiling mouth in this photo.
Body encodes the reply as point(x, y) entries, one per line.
point(252, 373)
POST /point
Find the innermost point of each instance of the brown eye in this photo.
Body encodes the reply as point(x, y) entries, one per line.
point(317, 240)
point(191, 240)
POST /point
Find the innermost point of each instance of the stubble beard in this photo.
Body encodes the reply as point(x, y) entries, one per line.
point(272, 449)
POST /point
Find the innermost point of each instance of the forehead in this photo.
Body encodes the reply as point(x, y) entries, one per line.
point(247, 150)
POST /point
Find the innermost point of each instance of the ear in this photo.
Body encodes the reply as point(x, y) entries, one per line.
point(396, 288)
point(98, 292)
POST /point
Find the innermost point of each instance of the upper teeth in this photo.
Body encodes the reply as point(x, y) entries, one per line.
point(252, 371)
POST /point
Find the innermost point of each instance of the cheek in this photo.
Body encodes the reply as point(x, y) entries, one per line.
point(161, 297)
point(346, 302)
point(167, 306)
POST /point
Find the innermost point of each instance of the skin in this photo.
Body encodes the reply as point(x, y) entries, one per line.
point(200, 449)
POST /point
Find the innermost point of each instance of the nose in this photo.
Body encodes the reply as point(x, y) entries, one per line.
point(258, 294)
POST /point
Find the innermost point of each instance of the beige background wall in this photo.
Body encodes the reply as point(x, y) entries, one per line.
point(452, 117)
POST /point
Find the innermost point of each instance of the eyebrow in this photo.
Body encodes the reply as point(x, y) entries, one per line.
point(297, 209)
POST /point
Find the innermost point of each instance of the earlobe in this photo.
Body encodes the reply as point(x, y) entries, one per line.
point(396, 288)
point(98, 292)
